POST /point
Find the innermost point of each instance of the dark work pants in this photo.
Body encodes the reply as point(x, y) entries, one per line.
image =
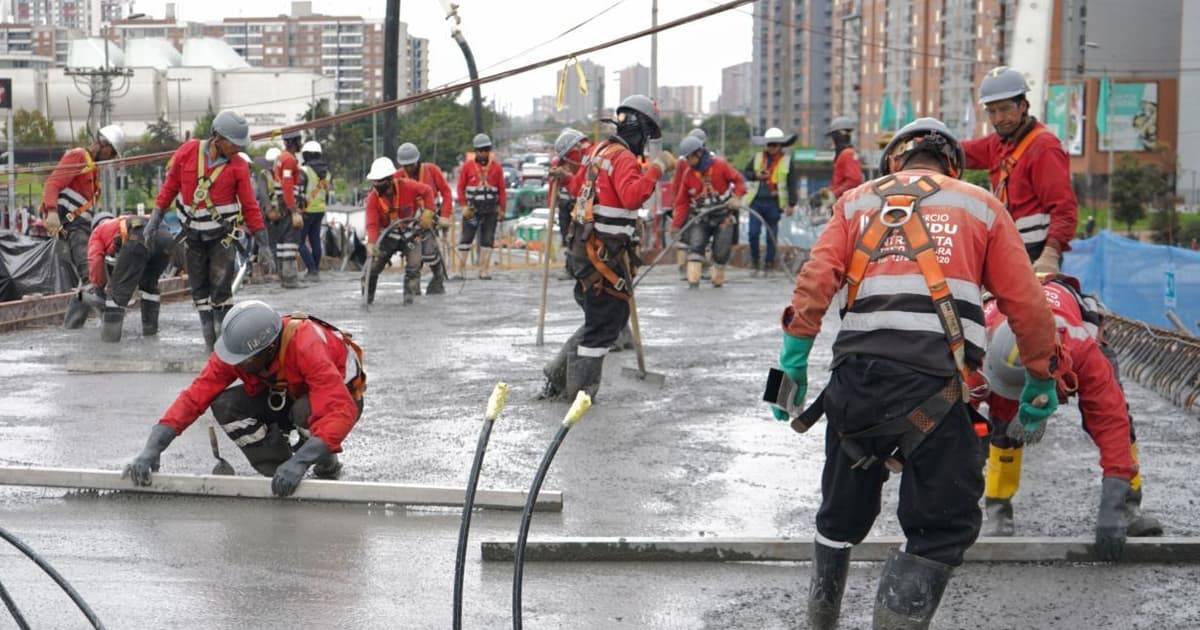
point(604, 317)
point(942, 479)
point(310, 240)
point(285, 239)
point(717, 230)
point(74, 247)
point(393, 241)
point(210, 272)
point(769, 209)
point(138, 266)
point(565, 208)
point(483, 224)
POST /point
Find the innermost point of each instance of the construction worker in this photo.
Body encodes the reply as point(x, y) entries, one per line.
point(771, 192)
point(1102, 405)
point(408, 158)
point(69, 197)
point(296, 372)
point(285, 217)
point(481, 193)
point(571, 147)
point(1028, 168)
point(218, 199)
point(602, 245)
point(396, 197)
point(668, 212)
point(912, 330)
point(847, 169)
point(709, 197)
point(138, 258)
point(316, 179)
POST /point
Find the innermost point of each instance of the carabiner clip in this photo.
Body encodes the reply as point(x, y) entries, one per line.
point(277, 399)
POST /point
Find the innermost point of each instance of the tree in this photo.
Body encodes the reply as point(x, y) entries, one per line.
point(31, 129)
point(203, 128)
point(316, 112)
point(159, 137)
point(1134, 185)
point(442, 129)
point(736, 135)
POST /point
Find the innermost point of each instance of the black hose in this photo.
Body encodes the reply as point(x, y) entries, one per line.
point(465, 528)
point(12, 608)
point(666, 248)
point(54, 575)
point(526, 517)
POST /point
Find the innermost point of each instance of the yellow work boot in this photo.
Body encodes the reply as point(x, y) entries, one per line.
point(1000, 484)
point(693, 273)
point(718, 276)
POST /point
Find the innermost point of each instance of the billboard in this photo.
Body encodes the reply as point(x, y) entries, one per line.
point(1132, 117)
point(1064, 116)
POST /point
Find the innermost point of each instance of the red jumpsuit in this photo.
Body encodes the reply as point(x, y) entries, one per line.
point(287, 179)
point(71, 190)
point(471, 176)
point(231, 188)
point(432, 176)
point(1040, 197)
point(408, 197)
point(1100, 397)
point(847, 172)
point(721, 178)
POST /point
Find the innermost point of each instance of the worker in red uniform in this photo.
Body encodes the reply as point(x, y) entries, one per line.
point(295, 372)
point(138, 258)
point(395, 197)
point(285, 219)
point(69, 198)
point(668, 213)
point(847, 169)
point(1029, 170)
point(772, 194)
point(408, 158)
point(1101, 403)
point(707, 202)
point(912, 330)
point(603, 247)
point(481, 193)
point(218, 199)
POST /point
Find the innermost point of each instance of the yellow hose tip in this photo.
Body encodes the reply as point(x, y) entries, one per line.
point(496, 401)
point(582, 403)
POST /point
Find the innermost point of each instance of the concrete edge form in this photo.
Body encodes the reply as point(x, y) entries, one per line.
point(260, 488)
point(1163, 550)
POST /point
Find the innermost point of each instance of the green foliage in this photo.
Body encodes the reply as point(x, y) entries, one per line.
point(1165, 225)
point(203, 127)
point(144, 178)
point(315, 112)
point(347, 147)
point(979, 177)
point(737, 137)
point(31, 129)
point(442, 129)
point(1134, 185)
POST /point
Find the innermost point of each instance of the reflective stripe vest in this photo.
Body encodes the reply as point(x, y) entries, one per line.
point(316, 189)
point(778, 179)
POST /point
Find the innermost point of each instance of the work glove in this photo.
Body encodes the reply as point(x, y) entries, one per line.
point(426, 219)
point(147, 461)
point(153, 223)
point(673, 235)
point(297, 219)
point(793, 360)
point(468, 213)
point(734, 203)
point(1039, 401)
point(372, 250)
point(288, 475)
point(444, 222)
point(265, 258)
point(1048, 262)
point(664, 161)
point(52, 222)
point(557, 172)
point(1111, 525)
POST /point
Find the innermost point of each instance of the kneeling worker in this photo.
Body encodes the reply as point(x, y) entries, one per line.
point(139, 256)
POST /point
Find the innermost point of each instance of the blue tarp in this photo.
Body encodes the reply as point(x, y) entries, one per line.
point(1135, 279)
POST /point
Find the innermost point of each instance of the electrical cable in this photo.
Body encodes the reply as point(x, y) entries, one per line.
point(54, 575)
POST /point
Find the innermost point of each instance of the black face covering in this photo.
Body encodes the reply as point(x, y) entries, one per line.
point(634, 135)
point(841, 141)
point(383, 188)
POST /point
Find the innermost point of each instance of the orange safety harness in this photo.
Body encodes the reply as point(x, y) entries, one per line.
point(583, 232)
point(90, 166)
point(1010, 162)
point(278, 373)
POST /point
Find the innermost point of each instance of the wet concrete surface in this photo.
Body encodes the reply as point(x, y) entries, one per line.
point(696, 457)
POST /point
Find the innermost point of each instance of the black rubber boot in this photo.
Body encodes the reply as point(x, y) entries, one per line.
point(1139, 523)
point(372, 284)
point(412, 288)
point(624, 340)
point(328, 467)
point(289, 278)
point(910, 590)
point(77, 313)
point(208, 327)
point(556, 370)
point(112, 319)
point(583, 374)
point(998, 518)
point(150, 310)
point(219, 313)
point(1111, 523)
point(436, 286)
point(830, 566)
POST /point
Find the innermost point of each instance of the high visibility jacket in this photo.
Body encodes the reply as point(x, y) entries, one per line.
point(893, 314)
point(73, 187)
point(317, 362)
point(479, 184)
point(1040, 197)
point(621, 181)
point(694, 186)
point(106, 240)
point(408, 197)
point(316, 188)
point(288, 186)
point(229, 194)
point(847, 172)
point(780, 185)
point(1101, 400)
point(432, 176)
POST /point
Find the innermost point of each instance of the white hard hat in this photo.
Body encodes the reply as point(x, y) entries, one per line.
point(245, 156)
point(381, 168)
point(114, 136)
point(273, 154)
point(775, 135)
point(312, 146)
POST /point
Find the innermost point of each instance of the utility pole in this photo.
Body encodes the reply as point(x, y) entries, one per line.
point(179, 101)
point(391, 61)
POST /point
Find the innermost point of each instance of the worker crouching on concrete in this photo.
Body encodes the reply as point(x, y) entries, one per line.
point(395, 206)
point(709, 196)
point(408, 158)
point(137, 257)
point(911, 252)
point(1101, 403)
point(297, 372)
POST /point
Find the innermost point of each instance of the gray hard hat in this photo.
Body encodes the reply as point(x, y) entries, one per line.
point(644, 107)
point(841, 123)
point(481, 141)
point(233, 127)
point(407, 154)
point(249, 328)
point(101, 217)
point(1002, 83)
point(689, 145)
point(1002, 366)
point(913, 134)
point(567, 141)
point(699, 134)
point(295, 134)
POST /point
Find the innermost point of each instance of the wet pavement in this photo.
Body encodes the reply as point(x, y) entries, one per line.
point(695, 457)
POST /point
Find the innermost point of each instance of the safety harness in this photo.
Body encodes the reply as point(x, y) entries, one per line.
point(483, 194)
point(209, 221)
point(1010, 162)
point(277, 373)
point(602, 243)
point(73, 204)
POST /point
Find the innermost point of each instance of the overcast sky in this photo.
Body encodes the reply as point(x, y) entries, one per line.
point(498, 29)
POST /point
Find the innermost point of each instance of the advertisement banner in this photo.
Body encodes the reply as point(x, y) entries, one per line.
point(1132, 117)
point(1064, 116)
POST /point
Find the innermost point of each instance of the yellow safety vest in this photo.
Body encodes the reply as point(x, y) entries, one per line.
point(779, 177)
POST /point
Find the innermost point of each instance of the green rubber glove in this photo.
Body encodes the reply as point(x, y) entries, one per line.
point(793, 360)
point(1039, 401)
